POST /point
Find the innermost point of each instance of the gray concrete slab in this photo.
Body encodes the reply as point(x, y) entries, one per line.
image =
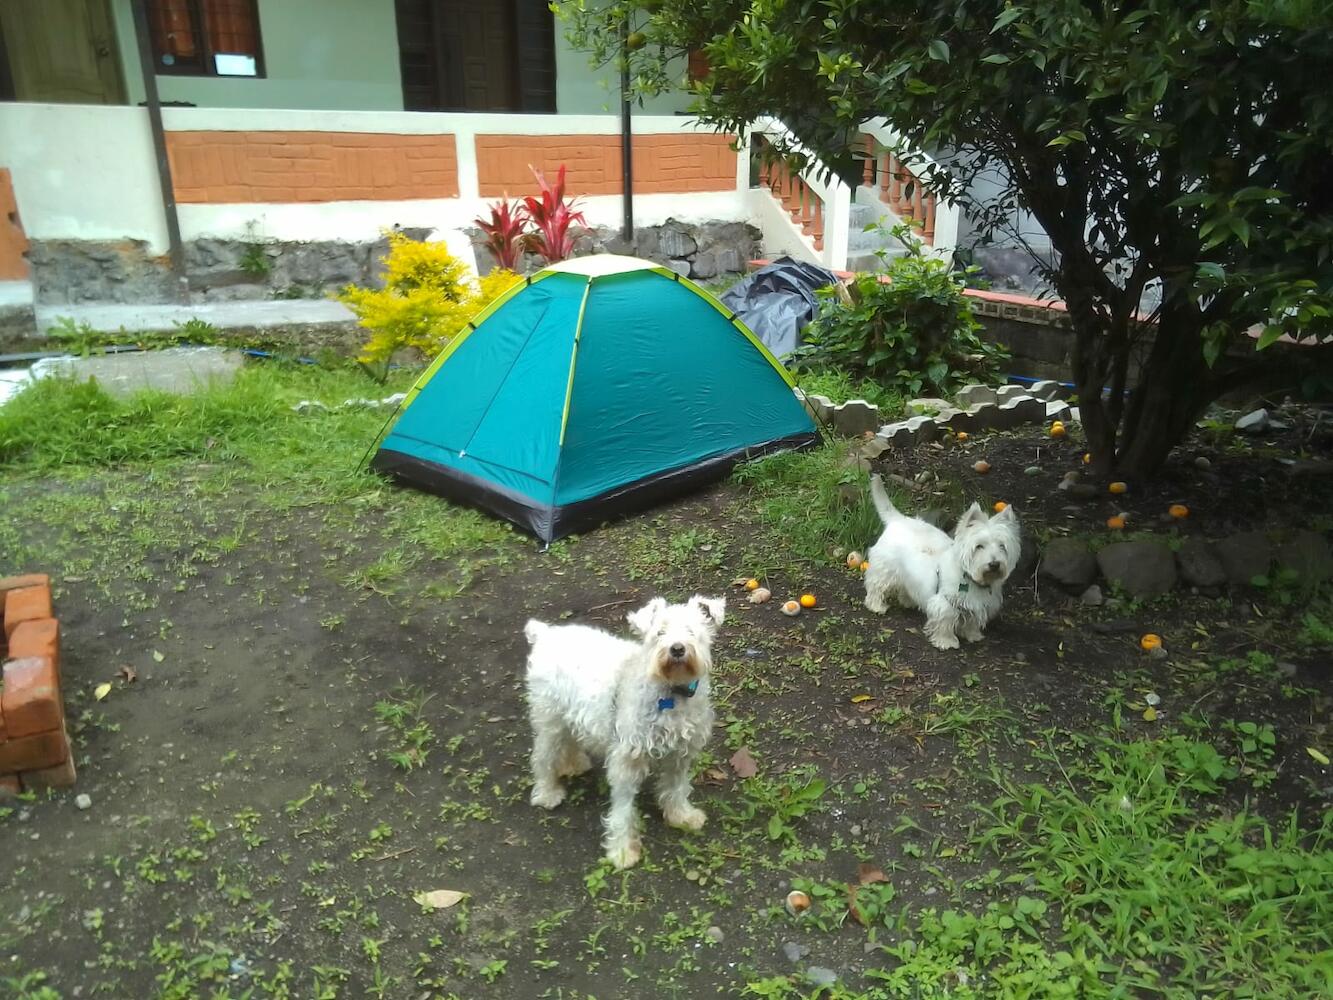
point(110, 317)
point(181, 370)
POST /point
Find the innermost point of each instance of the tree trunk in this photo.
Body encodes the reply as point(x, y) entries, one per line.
point(1171, 390)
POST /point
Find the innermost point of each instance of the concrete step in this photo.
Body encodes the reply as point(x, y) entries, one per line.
point(160, 317)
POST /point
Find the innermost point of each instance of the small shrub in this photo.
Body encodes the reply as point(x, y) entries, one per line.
point(504, 232)
point(552, 216)
point(912, 333)
point(427, 298)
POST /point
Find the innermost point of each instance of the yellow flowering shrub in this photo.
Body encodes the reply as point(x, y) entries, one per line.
point(428, 296)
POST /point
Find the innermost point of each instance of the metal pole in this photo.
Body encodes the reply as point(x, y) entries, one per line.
point(146, 64)
point(626, 150)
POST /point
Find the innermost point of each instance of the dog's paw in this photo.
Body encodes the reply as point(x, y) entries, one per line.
point(877, 605)
point(547, 798)
point(972, 634)
point(944, 641)
point(688, 818)
point(624, 856)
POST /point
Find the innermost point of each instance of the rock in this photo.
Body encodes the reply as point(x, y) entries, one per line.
point(1254, 422)
point(1058, 409)
point(925, 429)
point(855, 417)
point(1244, 556)
point(957, 420)
point(729, 260)
point(1092, 596)
point(1027, 557)
point(714, 934)
point(675, 241)
point(928, 405)
point(681, 267)
point(1032, 470)
point(795, 952)
point(1199, 565)
point(970, 395)
point(1307, 554)
point(984, 414)
point(1069, 563)
point(703, 266)
point(1024, 409)
point(820, 976)
point(873, 448)
point(1046, 389)
point(1202, 464)
point(898, 434)
point(1007, 392)
point(1158, 653)
point(1142, 568)
point(83, 802)
point(1068, 481)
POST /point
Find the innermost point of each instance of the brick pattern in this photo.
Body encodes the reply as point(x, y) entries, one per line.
point(241, 167)
point(13, 241)
point(663, 164)
point(35, 750)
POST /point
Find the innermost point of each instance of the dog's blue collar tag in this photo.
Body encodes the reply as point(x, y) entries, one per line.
point(684, 690)
point(962, 587)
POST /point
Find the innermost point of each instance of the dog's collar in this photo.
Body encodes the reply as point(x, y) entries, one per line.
point(683, 690)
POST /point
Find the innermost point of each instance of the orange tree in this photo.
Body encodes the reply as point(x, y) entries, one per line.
point(1185, 144)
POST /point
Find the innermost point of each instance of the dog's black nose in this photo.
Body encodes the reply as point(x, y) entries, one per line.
point(995, 566)
point(678, 650)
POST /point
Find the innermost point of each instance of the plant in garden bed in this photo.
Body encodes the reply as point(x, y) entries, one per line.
point(427, 298)
point(552, 216)
point(914, 332)
point(504, 231)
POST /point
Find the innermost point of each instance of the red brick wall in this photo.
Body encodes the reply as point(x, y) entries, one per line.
point(13, 243)
point(232, 167)
point(663, 164)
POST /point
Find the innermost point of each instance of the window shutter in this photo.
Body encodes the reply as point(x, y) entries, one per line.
point(535, 32)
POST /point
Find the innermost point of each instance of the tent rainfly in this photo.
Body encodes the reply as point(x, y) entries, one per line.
point(595, 387)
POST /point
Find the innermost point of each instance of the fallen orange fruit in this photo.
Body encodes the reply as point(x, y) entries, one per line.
point(865, 566)
point(982, 466)
point(1087, 458)
point(1150, 641)
point(1178, 511)
point(751, 584)
point(791, 608)
point(1057, 430)
point(1000, 505)
point(1116, 523)
point(962, 435)
point(808, 600)
point(1118, 487)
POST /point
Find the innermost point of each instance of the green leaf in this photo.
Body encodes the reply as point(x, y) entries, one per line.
point(774, 827)
point(1270, 336)
point(1006, 17)
point(996, 58)
point(939, 50)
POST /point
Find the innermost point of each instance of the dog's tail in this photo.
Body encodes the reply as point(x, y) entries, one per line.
point(887, 511)
point(534, 630)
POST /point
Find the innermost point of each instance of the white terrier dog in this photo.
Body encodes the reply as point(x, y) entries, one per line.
point(638, 706)
point(958, 582)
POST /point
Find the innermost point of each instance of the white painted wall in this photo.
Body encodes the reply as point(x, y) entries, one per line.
point(83, 172)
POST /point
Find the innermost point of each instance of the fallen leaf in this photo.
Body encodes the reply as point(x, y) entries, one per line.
point(743, 764)
point(853, 909)
point(128, 673)
point(858, 698)
point(101, 691)
point(1317, 755)
point(1150, 714)
point(869, 874)
point(158, 657)
point(440, 899)
point(947, 852)
point(716, 773)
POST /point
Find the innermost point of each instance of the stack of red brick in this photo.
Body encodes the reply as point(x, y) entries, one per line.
point(34, 746)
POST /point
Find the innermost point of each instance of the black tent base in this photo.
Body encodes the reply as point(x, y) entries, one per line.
point(550, 522)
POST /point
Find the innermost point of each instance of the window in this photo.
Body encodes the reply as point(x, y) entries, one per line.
point(206, 37)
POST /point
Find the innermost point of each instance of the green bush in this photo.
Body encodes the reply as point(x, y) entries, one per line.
point(911, 334)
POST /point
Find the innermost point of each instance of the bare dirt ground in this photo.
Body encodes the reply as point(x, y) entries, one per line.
point(325, 720)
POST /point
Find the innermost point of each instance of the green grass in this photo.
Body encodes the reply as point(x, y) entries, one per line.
point(814, 501)
point(840, 386)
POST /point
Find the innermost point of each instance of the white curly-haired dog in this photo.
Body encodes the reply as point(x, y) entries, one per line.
point(958, 582)
point(639, 706)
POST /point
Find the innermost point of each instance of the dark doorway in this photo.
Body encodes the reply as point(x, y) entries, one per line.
point(477, 55)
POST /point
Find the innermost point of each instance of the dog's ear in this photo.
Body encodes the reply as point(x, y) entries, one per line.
point(971, 518)
point(641, 621)
point(712, 608)
point(1006, 516)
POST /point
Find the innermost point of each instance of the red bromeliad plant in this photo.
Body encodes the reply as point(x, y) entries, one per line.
point(552, 216)
point(504, 232)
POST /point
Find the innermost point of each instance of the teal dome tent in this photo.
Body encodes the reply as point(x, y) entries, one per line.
point(595, 387)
